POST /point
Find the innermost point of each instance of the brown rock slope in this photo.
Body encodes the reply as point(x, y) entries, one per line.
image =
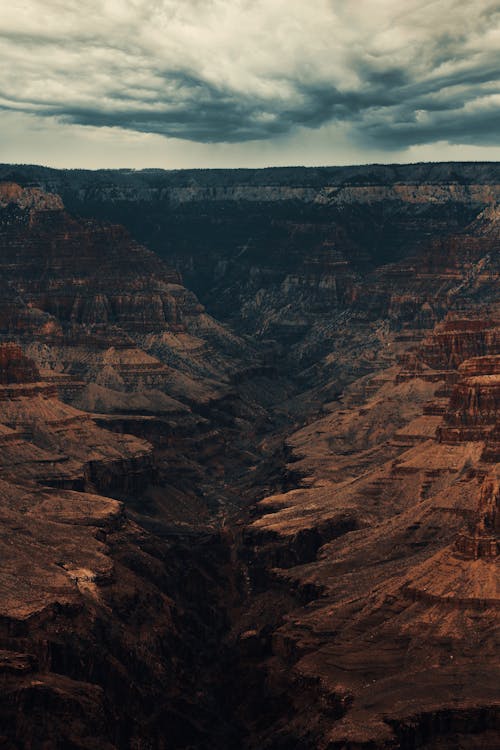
point(390, 543)
point(393, 540)
point(94, 649)
point(92, 302)
point(114, 332)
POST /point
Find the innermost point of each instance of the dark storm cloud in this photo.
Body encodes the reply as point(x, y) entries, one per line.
point(207, 114)
point(467, 128)
point(233, 71)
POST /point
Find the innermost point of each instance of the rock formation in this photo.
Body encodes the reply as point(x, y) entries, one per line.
point(481, 539)
point(15, 368)
point(280, 531)
point(393, 543)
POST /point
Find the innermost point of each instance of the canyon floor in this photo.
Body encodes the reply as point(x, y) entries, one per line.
point(250, 459)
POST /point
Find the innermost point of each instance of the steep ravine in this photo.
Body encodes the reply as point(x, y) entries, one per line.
point(280, 535)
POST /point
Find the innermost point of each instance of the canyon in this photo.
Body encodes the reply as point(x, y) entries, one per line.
point(249, 477)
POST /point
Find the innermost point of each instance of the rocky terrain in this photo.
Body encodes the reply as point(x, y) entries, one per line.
point(275, 531)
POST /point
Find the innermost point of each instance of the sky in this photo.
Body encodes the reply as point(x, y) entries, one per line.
point(235, 83)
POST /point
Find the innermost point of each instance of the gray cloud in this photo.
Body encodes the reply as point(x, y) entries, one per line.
point(240, 70)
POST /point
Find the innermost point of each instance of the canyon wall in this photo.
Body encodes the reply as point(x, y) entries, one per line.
point(276, 531)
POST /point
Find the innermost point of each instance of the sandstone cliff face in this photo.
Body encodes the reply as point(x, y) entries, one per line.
point(326, 195)
point(112, 330)
point(481, 539)
point(33, 416)
point(15, 367)
point(456, 341)
point(88, 300)
point(28, 198)
point(96, 645)
point(392, 540)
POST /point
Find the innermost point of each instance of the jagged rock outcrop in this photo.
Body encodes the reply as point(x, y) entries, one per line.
point(88, 288)
point(50, 442)
point(392, 542)
point(12, 194)
point(474, 405)
point(482, 538)
point(95, 640)
point(15, 368)
point(455, 341)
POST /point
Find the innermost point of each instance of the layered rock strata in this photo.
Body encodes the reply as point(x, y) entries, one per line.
point(148, 601)
point(393, 542)
point(94, 638)
point(88, 300)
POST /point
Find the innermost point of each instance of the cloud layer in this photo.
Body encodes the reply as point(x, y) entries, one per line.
point(395, 74)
